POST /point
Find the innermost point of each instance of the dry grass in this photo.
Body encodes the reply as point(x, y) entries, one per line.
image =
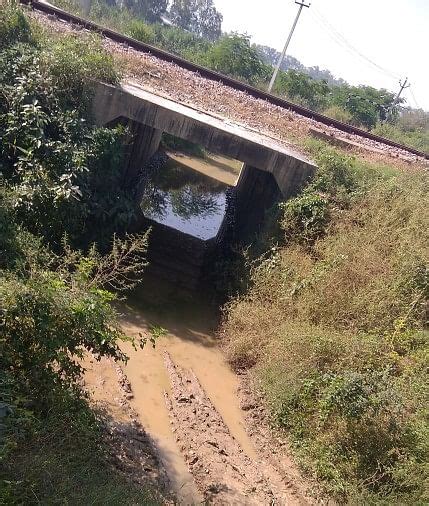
point(334, 331)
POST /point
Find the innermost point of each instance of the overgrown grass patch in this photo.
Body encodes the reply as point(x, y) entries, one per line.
point(63, 460)
point(334, 326)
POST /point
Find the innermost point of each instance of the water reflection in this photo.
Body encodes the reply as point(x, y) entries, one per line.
point(185, 199)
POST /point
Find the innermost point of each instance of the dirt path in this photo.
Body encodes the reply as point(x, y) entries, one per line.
point(178, 417)
point(131, 450)
point(222, 470)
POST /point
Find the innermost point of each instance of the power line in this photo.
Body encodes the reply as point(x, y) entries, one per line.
point(414, 99)
point(345, 44)
point(351, 47)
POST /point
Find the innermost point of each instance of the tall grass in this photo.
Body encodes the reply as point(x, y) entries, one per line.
point(334, 327)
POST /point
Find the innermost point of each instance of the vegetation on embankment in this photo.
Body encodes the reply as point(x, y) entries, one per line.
point(197, 36)
point(59, 190)
point(334, 329)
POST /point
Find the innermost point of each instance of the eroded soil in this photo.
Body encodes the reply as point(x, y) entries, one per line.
point(177, 412)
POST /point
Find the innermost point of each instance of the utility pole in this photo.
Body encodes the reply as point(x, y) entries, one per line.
point(403, 86)
point(279, 63)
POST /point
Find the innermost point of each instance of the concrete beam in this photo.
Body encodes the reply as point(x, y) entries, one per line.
point(289, 168)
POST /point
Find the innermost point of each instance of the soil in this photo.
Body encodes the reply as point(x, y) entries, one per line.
point(131, 450)
point(180, 420)
point(222, 470)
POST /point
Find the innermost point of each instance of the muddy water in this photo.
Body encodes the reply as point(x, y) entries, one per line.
point(218, 167)
point(186, 194)
point(185, 199)
point(191, 343)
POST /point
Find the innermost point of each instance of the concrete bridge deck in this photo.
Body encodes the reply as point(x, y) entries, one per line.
point(150, 115)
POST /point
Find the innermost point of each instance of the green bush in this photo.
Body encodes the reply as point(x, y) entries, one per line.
point(73, 63)
point(14, 26)
point(353, 408)
point(57, 174)
point(233, 55)
point(305, 218)
point(141, 31)
point(61, 169)
point(334, 327)
point(300, 87)
point(338, 113)
point(418, 138)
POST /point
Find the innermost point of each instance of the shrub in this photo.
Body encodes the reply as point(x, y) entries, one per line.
point(334, 328)
point(61, 169)
point(338, 113)
point(305, 218)
point(57, 173)
point(234, 56)
point(141, 31)
point(73, 63)
point(418, 138)
point(14, 26)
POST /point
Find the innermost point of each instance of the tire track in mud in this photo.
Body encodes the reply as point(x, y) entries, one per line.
point(130, 449)
point(224, 473)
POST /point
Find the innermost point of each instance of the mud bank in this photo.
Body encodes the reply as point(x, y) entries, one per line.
point(197, 440)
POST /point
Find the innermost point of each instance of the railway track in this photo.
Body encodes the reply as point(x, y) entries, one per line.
point(216, 76)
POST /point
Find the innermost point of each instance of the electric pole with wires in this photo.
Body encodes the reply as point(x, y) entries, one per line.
point(301, 4)
point(391, 111)
point(404, 85)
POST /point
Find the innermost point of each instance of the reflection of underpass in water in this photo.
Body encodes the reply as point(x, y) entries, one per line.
point(188, 201)
point(182, 198)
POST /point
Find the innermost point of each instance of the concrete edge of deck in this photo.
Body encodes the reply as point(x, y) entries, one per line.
point(155, 114)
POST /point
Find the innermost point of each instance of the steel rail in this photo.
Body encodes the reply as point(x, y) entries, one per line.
point(216, 76)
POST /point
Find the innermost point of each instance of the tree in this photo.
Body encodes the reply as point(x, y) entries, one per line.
point(271, 56)
point(198, 16)
point(366, 104)
point(150, 10)
point(234, 56)
point(299, 86)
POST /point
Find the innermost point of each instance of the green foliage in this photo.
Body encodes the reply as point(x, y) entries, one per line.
point(335, 325)
point(14, 26)
point(198, 16)
point(151, 10)
point(305, 218)
point(59, 167)
point(141, 31)
point(73, 62)
point(58, 174)
point(415, 137)
point(366, 105)
point(353, 408)
point(338, 113)
point(234, 56)
point(64, 460)
point(301, 87)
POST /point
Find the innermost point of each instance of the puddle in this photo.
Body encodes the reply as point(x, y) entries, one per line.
point(192, 345)
point(185, 199)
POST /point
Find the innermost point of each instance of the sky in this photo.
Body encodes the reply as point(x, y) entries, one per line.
point(392, 34)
